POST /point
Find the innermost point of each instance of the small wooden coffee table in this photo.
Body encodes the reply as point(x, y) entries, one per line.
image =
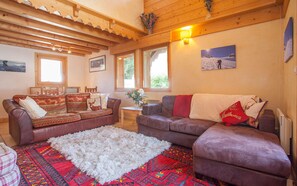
point(133, 110)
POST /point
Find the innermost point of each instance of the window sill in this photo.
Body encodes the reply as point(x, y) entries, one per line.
point(157, 89)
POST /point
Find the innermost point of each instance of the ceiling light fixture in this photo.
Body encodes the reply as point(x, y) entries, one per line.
point(59, 48)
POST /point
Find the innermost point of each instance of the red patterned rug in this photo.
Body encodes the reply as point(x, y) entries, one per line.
point(40, 164)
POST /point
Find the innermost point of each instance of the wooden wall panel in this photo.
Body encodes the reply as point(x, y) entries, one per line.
point(174, 14)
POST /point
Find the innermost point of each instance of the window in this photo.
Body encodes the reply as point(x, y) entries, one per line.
point(125, 71)
point(51, 70)
point(155, 68)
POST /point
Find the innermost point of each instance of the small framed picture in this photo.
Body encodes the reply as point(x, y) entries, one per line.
point(97, 64)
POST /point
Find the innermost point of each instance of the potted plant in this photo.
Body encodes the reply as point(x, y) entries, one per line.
point(137, 95)
point(148, 21)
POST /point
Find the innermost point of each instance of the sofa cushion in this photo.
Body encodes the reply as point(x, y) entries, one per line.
point(191, 126)
point(182, 106)
point(209, 106)
point(160, 122)
point(77, 102)
point(234, 114)
point(167, 105)
point(52, 104)
point(8, 158)
point(55, 120)
point(93, 114)
point(243, 147)
point(32, 108)
point(94, 104)
point(11, 178)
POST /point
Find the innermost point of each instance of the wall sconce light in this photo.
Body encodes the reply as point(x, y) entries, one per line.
point(185, 35)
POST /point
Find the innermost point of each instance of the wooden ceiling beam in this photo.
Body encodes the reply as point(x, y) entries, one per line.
point(25, 22)
point(42, 40)
point(37, 44)
point(285, 6)
point(54, 37)
point(36, 48)
point(40, 15)
point(78, 12)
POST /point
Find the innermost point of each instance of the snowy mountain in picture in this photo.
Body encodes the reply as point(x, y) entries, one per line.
point(288, 50)
point(288, 40)
point(218, 58)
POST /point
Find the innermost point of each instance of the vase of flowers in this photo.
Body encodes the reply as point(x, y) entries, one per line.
point(148, 21)
point(137, 95)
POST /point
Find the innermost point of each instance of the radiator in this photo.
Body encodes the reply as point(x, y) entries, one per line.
point(285, 128)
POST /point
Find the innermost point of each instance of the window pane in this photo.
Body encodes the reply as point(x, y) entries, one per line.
point(125, 71)
point(155, 68)
point(51, 71)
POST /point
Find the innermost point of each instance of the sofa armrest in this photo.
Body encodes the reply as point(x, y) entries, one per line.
point(114, 104)
point(151, 109)
point(267, 121)
point(20, 123)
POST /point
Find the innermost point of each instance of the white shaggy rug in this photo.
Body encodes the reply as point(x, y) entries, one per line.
point(106, 153)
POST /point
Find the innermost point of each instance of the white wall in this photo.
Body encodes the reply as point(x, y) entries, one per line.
point(259, 67)
point(104, 80)
point(127, 11)
point(13, 83)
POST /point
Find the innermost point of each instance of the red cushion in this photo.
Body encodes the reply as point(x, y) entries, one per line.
point(234, 114)
point(182, 106)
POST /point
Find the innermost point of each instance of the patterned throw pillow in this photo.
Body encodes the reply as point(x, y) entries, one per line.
point(234, 114)
point(103, 97)
point(77, 102)
point(32, 108)
point(253, 112)
point(94, 104)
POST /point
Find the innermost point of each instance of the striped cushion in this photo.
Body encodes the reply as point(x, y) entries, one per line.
point(8, 159)
point(55, 120)
point(12, 178)
point(52, 104)
point(77, 102)
point(93, 114)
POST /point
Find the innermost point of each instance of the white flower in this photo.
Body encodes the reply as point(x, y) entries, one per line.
point(141, 91)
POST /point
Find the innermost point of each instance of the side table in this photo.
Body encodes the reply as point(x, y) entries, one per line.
point(133, 110)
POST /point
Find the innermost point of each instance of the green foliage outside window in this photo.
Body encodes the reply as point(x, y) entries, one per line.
point(159, 81)
point(128, 68)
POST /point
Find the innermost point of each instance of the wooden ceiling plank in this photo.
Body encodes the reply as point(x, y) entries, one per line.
point(29, 31)
point(37, 44)
point(43, 40)
point(36, 48)
point(40, 15)
point(25, 22)
point(89, 17)
point(232, 22)
point(221, 10)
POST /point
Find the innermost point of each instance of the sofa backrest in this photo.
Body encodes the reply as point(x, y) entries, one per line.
point(52, 104)
point(167, 105)
point(77, 102)
point(209, 106)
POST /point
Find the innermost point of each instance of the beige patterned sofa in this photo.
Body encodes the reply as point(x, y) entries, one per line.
point(65, 114)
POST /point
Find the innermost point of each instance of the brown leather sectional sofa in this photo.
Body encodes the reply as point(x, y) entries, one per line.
point(66, 114)
point(238, 155)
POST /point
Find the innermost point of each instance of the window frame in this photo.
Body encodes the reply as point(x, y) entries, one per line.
point(122, 89)
point(168, 64)
point(63, 59)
